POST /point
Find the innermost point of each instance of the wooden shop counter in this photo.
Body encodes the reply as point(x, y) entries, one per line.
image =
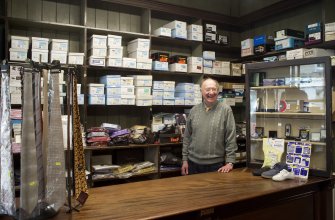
point(234, 195)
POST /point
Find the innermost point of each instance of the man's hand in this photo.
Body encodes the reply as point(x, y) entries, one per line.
point(184, 168)
point(226, 168)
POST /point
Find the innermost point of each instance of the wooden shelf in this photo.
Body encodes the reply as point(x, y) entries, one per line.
point(99, 148)
point(120, 70)
point(288, 113)
point(133, 176)
point(174, 41)
point(125, 34)
point(286, 141)
point(273, 87)
point(26, 24)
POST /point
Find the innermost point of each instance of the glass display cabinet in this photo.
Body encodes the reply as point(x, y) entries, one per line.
point(291, 100)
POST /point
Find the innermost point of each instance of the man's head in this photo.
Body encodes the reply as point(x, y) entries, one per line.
point(210, 91)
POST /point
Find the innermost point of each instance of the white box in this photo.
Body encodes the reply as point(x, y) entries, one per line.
point(295, 54)
point(179, 101)
point(128, 62)
point(116, 62)
point(208, 55)
point(60, 45)
point(113, 91)
point(184, 87)
point(96, 99)
point(210, 28)
point(236, 69)
point(157, 101)
point(329, 36)
point(39, 43)
point(185, 95)
point(114, 41)
point(159, 85)
point(318, 52)
point(194, 68)
point(138, 44)
point(39, 55)
point(168, 94)
point(96, 89)
point(16, 99)
point(144, 102)
point(168, 101)
point(208, 70)
point(194, 28)
point(208, 63)
point(226, 71)
point(157, 65)
point(176, 24)
point(210, 37)
point(98, 52)
point(127, 91)
point(195, 36)
point(143, 91)
point(157, 94)
point(179, 33)
point(115, 52)
point(169, 85)
point(195, 61)
point(17, 54)
point(247, 44)
point(127, 81)
point(139, 54)
point(163, 31)
point(98, 41)
point(142, 80)
point(144, 64)
point(330, 27)
point(127, 101)
point(18, 42)
point(178, 67)
point(76, 58)
point(58, 55)
point(113, 100)
point(189, 102)
point(96, 61)
point(217, 70)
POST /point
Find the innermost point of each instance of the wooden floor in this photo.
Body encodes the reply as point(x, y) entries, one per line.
point(173, 196)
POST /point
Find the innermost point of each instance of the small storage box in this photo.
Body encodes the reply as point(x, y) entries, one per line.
point(58, 55)
point(76, 58)
point(96, 61)
point(39, 43)
point(17, 54)
point(39, 55)
point(59, 45)
point(18, 42)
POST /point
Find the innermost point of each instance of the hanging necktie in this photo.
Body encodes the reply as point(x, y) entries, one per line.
point(55, 170)
point(7, 192)
point(81, 189)
point(29, 181)
point(38, 133)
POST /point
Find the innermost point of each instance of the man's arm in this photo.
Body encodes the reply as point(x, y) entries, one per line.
point(230, 138)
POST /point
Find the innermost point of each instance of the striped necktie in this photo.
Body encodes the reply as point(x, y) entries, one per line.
point(79, 158)
point(7, 190)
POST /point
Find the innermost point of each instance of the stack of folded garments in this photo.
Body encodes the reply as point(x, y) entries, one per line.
point(120, 137)
point(97, 136)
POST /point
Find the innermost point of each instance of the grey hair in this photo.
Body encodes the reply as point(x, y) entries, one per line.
point(208, 78)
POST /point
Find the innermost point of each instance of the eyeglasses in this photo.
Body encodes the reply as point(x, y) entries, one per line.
point(210, 90)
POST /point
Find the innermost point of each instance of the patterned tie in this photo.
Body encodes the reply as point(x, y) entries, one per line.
point(55, 170)
point(38, 133)
point(81, 189)
point(29, 181)
point(7, 190)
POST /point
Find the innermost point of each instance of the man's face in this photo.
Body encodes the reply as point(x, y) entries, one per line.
point(209, 92)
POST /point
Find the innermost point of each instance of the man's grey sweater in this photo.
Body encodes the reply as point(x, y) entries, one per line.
point(210, 136)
